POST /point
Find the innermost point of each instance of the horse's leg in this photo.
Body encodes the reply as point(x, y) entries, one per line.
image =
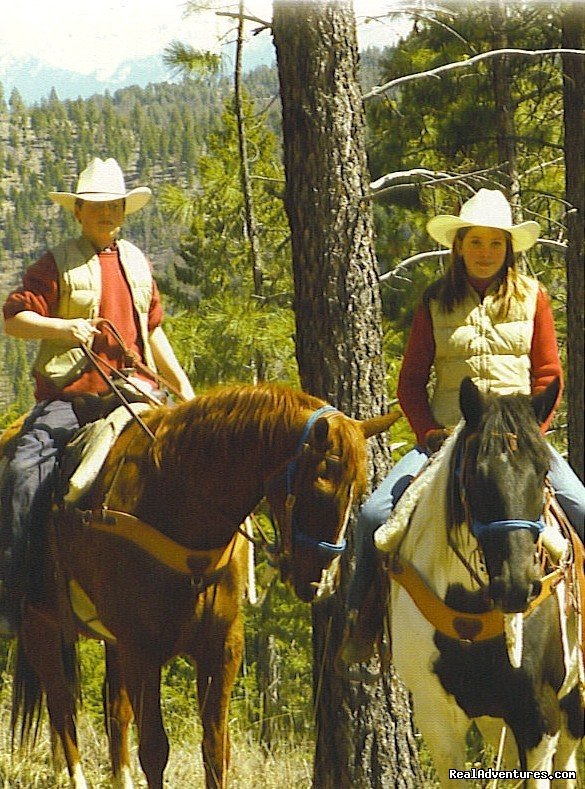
point(565, 759)
point(118, 714)
point(444, 727)
point(217, 667)
point(571, 734)
point(142, 676)
point(541, 759)
point(44, 655)
point(491, 730)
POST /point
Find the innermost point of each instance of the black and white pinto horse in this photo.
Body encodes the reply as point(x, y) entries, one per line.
point(466, 587)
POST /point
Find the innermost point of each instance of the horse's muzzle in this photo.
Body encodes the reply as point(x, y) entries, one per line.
point(513, 598)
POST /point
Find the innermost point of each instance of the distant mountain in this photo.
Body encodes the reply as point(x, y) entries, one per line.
point(34, 80)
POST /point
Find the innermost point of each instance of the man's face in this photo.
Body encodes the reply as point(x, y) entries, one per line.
point(100, 221)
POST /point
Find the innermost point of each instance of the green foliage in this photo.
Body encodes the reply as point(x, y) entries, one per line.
point(185, 58)
point(447, 125)
point(227, 330)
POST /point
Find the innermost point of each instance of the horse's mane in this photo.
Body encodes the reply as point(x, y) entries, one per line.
point(226, 417)
point(504, 416)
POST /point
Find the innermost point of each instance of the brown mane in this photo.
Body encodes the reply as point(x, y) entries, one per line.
point(228, 417)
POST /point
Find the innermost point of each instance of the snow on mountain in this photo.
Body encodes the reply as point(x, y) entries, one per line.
point(34, 80)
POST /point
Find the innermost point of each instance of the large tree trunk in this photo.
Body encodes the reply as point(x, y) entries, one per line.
point(364, 734)
point(573, 37)
point(505, 107)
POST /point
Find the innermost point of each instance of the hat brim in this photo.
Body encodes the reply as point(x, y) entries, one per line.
point(443, 228)
point(135, 198)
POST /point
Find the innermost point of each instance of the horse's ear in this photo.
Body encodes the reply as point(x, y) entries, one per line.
point(320, 434)
point(470, 402)
point(544, 402)
point(378, 424)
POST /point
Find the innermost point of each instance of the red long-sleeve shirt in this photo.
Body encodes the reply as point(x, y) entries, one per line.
point(40, 293)
point(419, 356)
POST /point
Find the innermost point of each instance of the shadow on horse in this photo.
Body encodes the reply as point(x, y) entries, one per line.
point(479, 631)
point(156, 553)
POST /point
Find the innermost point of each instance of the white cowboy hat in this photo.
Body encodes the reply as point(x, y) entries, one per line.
point(487, 208)
point(102, 181)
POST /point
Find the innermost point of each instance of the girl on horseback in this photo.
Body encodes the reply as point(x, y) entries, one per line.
point(485, 320)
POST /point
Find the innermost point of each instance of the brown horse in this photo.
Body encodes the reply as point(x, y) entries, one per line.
point(181, 494)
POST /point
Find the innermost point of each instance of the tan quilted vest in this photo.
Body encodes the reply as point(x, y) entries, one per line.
point(79, 297)
point(473, 341)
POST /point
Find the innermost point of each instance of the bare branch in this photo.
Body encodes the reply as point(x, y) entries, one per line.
point(559, 246)
point(264, 25)
point(395, 272)
point(435, 72)
point(385, 180)
point(384, 184)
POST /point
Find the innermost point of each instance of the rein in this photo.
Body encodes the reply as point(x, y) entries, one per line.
point(109, 373)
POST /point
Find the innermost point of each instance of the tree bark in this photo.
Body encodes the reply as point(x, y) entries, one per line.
point(573, 36)
point(505, 107)
point(364, 733)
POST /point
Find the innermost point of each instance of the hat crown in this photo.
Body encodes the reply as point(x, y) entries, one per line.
point(488, 208)
point(102, 177)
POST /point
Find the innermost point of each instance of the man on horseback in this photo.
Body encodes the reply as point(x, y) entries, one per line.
point(66, 300)
point(482, 319)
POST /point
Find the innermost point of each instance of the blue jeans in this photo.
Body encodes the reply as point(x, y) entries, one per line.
point(377, 509)
point(569, 491)
point(28, 483)
point(374, 513)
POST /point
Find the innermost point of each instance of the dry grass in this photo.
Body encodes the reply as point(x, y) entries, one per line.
point(288, 765)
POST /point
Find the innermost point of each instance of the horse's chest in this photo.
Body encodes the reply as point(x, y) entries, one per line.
point(481, 679)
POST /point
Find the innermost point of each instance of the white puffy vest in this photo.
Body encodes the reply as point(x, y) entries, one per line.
point(472, 341)
point(80, 289)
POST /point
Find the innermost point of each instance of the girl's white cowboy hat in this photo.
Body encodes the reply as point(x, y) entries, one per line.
point(102, 181)
point(487, 208)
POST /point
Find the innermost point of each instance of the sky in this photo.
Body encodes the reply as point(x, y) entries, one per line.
point(89, 37)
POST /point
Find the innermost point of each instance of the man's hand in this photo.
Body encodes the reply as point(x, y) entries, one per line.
point(80, 330)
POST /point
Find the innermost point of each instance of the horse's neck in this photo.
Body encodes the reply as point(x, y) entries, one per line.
point(216, 485)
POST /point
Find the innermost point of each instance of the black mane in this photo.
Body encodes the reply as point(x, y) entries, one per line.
point(504, 417)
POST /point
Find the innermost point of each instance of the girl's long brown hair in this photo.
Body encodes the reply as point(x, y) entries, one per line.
point(452, 288)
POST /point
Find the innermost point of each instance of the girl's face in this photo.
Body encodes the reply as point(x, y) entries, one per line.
point(483, 250)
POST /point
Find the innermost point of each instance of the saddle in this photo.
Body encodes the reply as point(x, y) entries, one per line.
point(81, 463)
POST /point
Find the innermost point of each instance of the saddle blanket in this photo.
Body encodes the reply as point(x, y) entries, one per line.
point(89, 448)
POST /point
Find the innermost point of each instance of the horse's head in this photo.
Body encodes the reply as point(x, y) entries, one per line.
point(313, 505)
point(503, 463)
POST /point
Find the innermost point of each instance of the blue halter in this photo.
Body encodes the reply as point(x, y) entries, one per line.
point(479, 529)
point(299, 537)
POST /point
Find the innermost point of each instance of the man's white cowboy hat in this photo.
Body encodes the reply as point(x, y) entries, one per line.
point(102, 181)
point(487, 208)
